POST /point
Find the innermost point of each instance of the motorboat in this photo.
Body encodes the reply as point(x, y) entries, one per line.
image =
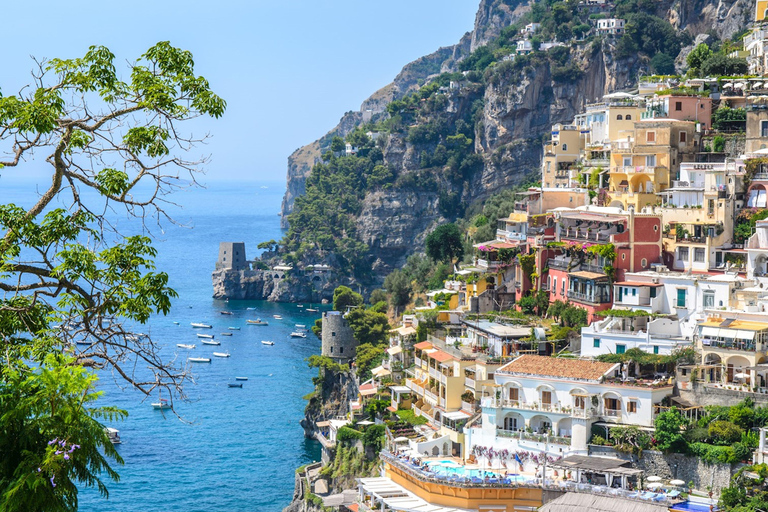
point(113, 434)
point(250, 309)
point(267, 342)
point(241, 378)
point(199, 359)
point(226, 334)
point(258, 321)
point(162, 404)
point(197, 325)
point(175, 323)
point(277, 317)
point(209, 336)
point(301, 326)
point(311, 310)
point(210, 342)
point(235, 384)
point(184, 345)
point(226, 312)
point(299, 305)
point(298, 334)
point(233, 328)
point(221, 354)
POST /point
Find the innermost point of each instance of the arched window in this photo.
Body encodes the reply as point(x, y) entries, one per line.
point(629, 117)
point(565, 147)
point(618, 117)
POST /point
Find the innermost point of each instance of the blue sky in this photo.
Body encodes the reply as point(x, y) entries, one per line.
point(288, 69)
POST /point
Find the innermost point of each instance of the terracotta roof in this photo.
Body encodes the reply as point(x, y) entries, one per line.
point(583, 274)
point(557, 367)
point(441, 356)
point(423, 345)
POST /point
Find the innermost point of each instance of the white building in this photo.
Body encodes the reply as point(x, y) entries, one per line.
point(612, 26)
point(562, 398)
point(524, 46)
point(615, 335)
point(756, 45)
point(531, 28)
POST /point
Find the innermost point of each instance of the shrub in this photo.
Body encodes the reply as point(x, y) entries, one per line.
point(724, 432)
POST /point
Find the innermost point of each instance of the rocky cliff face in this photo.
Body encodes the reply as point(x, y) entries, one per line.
point(330, 401)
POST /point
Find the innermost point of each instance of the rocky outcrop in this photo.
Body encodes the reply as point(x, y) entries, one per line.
point(492, 16)
point(330, 401)
point(270, 285)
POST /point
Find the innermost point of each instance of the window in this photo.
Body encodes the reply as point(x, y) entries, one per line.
point(620, 349)
point(554, 285)
point(628, 117)
point(333, 334)
point(698, 255)
point(627, 161)
point(709, 299)
point(682, 253)
point(546, 397)
point(596, 343)
point(632, 406)
point(618, 117)
point(565, 147)
point(655, 349)
point(579, 402)
point(683, 137)
point(764, 128)
point(513, 394)
point(634, 292)
point(650, 161)
point(650, 137)
point(681, 292)
point(341, 350)
point(612, 404)
point(644, 262)
point(331, 350)
point(678, 105)
point(562, 288)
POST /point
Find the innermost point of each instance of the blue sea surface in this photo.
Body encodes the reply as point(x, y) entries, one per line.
point(237, 449)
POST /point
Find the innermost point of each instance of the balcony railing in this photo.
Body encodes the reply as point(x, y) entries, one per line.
point(417, 361)
point(529, 406)
point(430, 397)
point(744, 346)
point(419, 390)
point(642, 301)
point(488, 264)
point(612, 413)
point(760, 176)
point(468, 407)
point(434, 373)
point(470, 383)
point(686, 184)
point(558, 264)
point(592, 299)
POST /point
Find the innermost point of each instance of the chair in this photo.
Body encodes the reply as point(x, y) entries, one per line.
point(659, 497)
point(673, 494)
point(635, 494)
point(648, 495)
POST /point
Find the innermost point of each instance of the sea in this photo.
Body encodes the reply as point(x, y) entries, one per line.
point(232, 449)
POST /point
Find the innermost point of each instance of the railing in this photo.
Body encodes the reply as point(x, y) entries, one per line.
point(488, 264)
point(466, 406)
point(687, 184)
point(760, 176)
point(443, 379)
point(642, 301)
point(430, 397)
point(592, 299)
point(612, 413)
point(586, 413)
point(417, 361)
point(442, 402)
point(558, 264)
point(470, 383)
point(434, 373)
point(744, 346)
point(414, 387)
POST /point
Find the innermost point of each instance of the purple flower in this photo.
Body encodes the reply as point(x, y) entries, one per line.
point(66, 457)
point(39, 470)
point(59, 452)
point(52, 482)
point(53, 441)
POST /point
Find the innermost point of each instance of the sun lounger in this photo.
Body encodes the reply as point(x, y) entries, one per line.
point(648, 495)
point(659, 497)
point(476, 480)
point(673, 494)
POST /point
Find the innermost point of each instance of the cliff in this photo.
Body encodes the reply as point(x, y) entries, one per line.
point(330, 400)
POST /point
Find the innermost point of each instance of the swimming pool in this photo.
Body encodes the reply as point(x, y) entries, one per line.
point(692, 507)
point(451, 468)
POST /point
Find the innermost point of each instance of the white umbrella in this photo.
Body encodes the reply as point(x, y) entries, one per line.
point(405, 440)
point(727, 86)
point(740, 375)
point(677, 482)
point(366, 422)
point(653, 479)
point(655, 485)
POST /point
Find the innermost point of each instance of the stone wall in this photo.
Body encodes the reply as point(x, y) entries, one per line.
point(703, 394)
point(676, 466)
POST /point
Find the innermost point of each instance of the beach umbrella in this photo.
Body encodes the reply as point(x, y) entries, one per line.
point(677, 482)
point(653, 479)
point(365, 422)
point(655, 485)
point(740, 375)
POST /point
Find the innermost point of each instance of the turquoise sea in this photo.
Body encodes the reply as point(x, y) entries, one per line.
point(237, 449)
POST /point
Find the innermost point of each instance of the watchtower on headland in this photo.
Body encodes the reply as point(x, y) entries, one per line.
point(338, 339)
point(231, 256)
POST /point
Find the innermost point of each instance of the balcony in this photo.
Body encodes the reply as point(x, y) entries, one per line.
point(442, 402)
point(414, 387)
point(434, 373)
point(468, 407)
point(591, 299)
point(417, 361)
point(742, 346)
point(528, 406)
point(584, 413)
point(760, 176)
point(488, 264)
point(686, 184)
point(470, 383)
point(558, 264)
point(443, 379)
point(612, 414)
point(430, 397)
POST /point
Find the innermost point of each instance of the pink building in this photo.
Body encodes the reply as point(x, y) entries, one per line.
point(682, 108)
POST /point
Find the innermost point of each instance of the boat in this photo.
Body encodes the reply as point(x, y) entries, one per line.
point(197, 325)
point(176, 323)
point(209, 336)
point(162, 404)
point(226, 334)
point(235, 384)
point(199, 359)
point(113, 434)
point(226, 312)
point(258, 321)
point(300, 326)
point(299, 305)
point(241, 378)
point(250, 309)
point(297, 334)
point(221, 354)
point(277, 317)
point(233, 328)
point(267, 342)
point(210, 342)
point(311, 310)
point(184, 345)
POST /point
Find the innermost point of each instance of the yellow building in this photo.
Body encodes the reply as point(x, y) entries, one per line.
point(761, 9)
point(731, 351)
point(647, 159)
point(558, 167)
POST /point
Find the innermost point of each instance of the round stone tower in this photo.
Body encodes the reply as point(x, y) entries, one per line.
point(338, 339)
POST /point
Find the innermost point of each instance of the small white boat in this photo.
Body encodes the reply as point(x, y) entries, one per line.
point(311, 310)
point(226, 312)
point(299, 305)
point(233, 328)
point(300, 326)
point(297, 334)
point(241, 378)
point(221, 354)
point(267, 342)
point(197, 325)
point(208, 336)
point(257, 322)
point(176, 323)
point(210, 342)
point(250, 309)
point(277, 317)
point(162, 404)
point(226, 334)
point(199, 359)
point(184, 345)
point(235, 384)
point(113, 434)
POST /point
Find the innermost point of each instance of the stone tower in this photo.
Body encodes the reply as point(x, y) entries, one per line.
point(338, 339)
point(231, 256)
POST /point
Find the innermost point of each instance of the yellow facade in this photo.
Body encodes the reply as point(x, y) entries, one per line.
point(761, 6)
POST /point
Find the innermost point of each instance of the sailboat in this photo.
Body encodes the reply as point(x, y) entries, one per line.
point(162, 403)
point(310, 309)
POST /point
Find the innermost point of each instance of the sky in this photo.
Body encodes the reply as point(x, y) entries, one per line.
point(288, 69)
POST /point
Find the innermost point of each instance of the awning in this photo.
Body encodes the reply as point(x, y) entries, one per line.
point(588, 275)
point(745, 335)
point(712, 332)
point(455, 416)
point(404, 330)
point(380, 371)
point(369, 390)
point(394, 350)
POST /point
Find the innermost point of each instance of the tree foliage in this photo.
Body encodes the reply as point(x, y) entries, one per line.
point(399, 287)
point(71, 282)
point(669, 436)
point(445, 243)
point(344, 297)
